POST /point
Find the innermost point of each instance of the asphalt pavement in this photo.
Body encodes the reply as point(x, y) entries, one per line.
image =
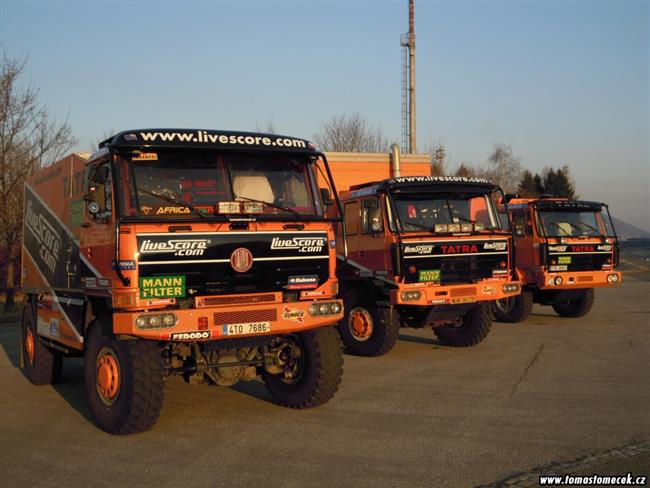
point(548, 393)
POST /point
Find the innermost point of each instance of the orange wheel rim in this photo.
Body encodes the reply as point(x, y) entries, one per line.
point(361, 325)
point(108, 376)
point(29, 346)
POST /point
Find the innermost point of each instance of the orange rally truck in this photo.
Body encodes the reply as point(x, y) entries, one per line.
point(564, 249)
point(201, 253)
point(418, 251)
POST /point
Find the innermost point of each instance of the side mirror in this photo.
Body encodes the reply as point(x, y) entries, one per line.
point(326, 197)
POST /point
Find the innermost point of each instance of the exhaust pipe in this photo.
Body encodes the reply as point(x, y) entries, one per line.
point(394, 159)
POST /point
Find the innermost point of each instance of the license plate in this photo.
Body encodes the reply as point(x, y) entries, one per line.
point(463, 300)
point(246, 328)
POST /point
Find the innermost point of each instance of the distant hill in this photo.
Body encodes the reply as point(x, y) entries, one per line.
point(627, 231)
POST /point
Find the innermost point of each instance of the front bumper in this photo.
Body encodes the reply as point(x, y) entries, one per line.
point(578, 279)
point(210, 323)
point(456, 294)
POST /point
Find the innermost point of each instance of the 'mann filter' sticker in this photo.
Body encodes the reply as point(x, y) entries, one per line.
point(162, 287)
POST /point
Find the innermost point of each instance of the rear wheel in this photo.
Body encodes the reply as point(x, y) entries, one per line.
point(514, 309)
point(42, 364)
point(313, 364)
point(362, 329)
point(468, 330)
point(124, 380)
point(578, 307)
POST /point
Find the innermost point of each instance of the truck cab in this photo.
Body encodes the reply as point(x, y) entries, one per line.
point(205, 254)
point(564, 249)
point(421, 251)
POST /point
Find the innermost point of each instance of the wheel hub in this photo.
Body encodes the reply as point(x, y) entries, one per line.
point(360, 323)
point(108, 376)
point(506, 304)
point(30, 346)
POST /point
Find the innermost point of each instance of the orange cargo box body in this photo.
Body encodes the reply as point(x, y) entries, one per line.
point(564, 249)
point(201, 253)
point(417, 250)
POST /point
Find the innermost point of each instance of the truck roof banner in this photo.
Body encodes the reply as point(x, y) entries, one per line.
point(199, 138)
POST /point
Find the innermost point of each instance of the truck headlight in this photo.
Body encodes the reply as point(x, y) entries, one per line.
point(558, 280)
point(411, 295)
point(156, 321)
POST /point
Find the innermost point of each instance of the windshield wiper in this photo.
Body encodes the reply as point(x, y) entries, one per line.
point(177, 201)
point(416, 224)
point(592, 228)
point(272, 205)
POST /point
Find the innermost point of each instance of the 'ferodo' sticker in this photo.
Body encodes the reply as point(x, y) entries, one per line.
point(194, 335)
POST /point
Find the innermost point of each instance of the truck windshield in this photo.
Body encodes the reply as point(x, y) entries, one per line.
point(560, 222)
point(441, 213)
point(201, 184)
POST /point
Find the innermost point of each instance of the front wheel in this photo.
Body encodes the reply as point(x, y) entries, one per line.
point(514, 309)
point(313, 363)
point(362, 329)
point(42, 364)
point(124, 380)
point(578, 307)
point(468, 330)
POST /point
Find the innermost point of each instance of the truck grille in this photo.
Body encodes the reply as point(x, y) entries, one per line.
point(235, 300)
point(245, 316)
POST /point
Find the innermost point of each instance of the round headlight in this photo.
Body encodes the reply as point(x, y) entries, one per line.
point(313, 309)
point(169, 319)
point(558, 280)
point(335, 308)
point(154, 320)
point(140, 321)
point(324, 309)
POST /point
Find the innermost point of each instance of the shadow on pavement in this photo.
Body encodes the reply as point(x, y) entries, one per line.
point(432, 341)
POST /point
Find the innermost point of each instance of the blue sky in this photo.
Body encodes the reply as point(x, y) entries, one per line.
point(561, 82)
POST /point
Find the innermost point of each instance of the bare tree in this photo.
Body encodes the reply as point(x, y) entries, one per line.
point(438, 160)
point(504, 168)
point(29, 140)
point(268, 127)
point(351, 133)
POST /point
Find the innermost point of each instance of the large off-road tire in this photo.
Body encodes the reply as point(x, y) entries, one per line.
point(514, 309)
point(42, 364)
point(362, 329)
point(317, 373)
point(471, 328)
point(578, 307)
point(124, 380)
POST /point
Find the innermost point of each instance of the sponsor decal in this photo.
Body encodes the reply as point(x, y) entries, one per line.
point(50, 329)
point(558, 268)
point(180, 247)
point(489, 290)
point(557, 248)
point(302, 282)
point(458, 248)
point(439, 179)
point(564, 259)
point(145, 157)
point(124, 265)
point(419, 249)
point(162, 287)
point(241, 260)
point(194, 335)
point(172, 210)
point(130, 137)
point(293, 314)
point(332, 244)
point(48, 238)
point(605, 247)
point(301, 244)
point(429, 275)
point(495, 246)
point(438, 301)
point(499, 272)
point(205, 137)
point(145, 209)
